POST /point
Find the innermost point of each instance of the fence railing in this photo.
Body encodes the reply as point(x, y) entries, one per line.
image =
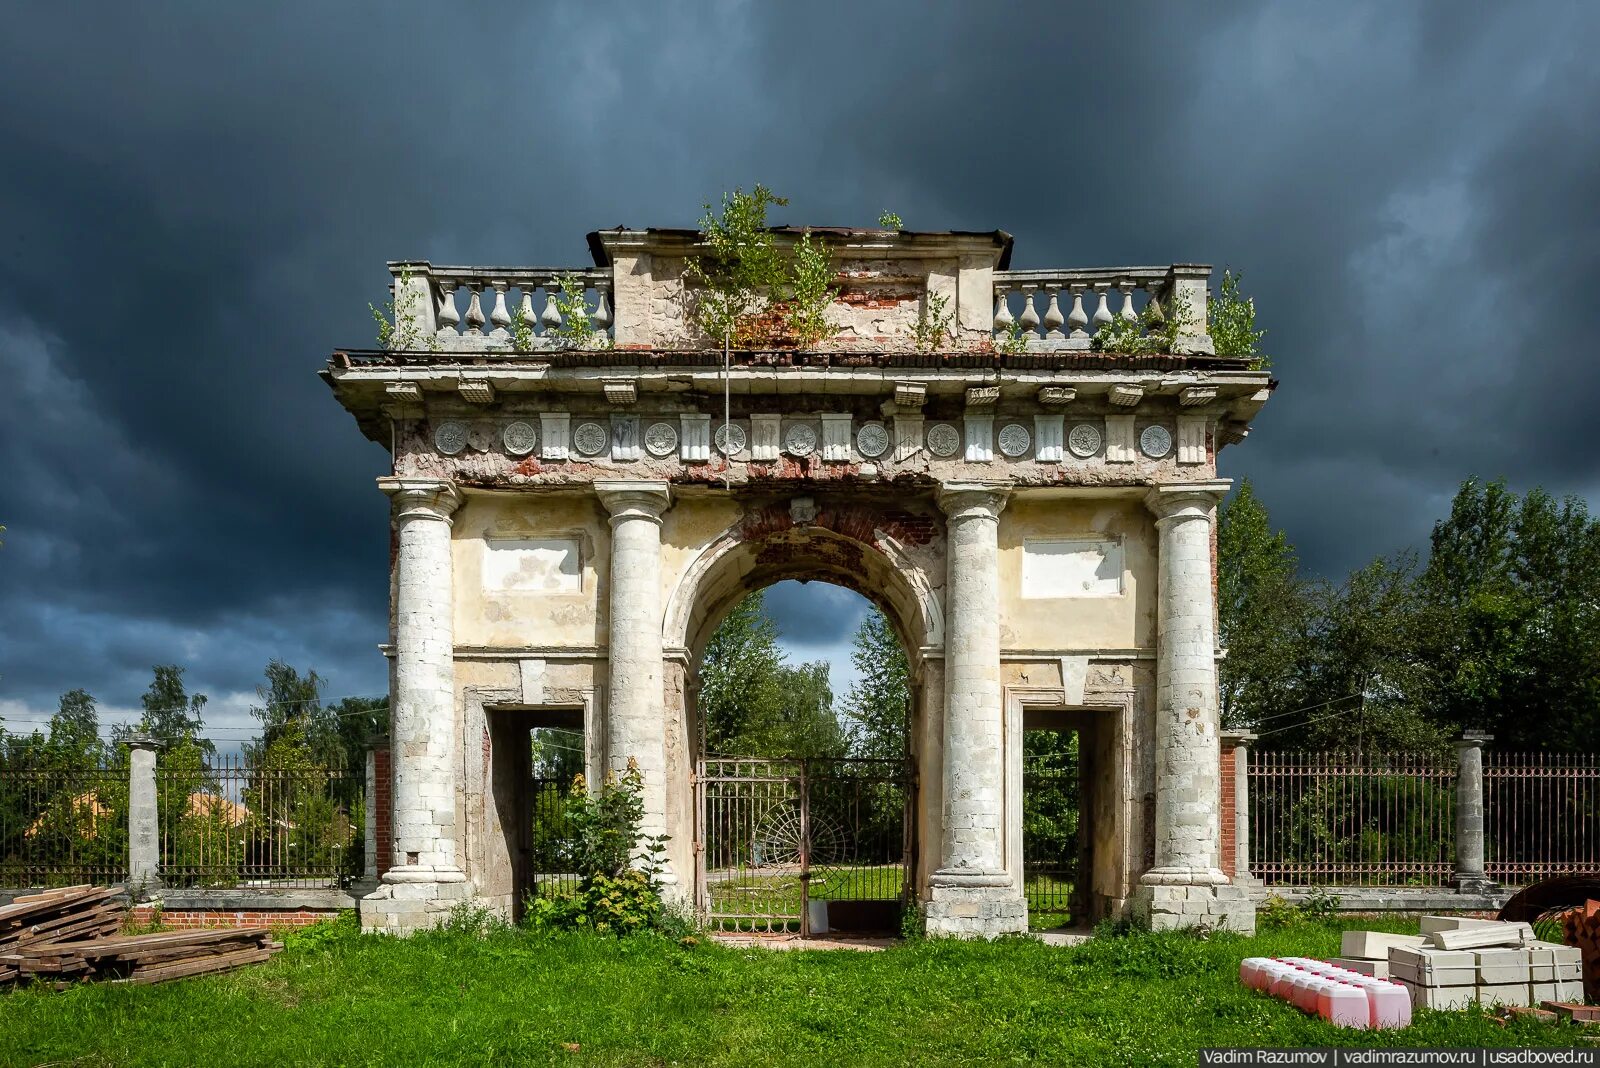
point(62, 825)
point(1352, 819)
point(1541, 815)
point(226, 823)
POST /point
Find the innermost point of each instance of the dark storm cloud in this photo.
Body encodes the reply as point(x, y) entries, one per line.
point(196, 202)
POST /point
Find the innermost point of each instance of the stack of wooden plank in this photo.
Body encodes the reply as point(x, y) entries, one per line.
point(146, 958)
point(66, 935)
point(73, 912)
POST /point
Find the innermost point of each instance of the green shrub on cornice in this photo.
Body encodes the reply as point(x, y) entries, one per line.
point(811, 292)
point(741, 267)
point(1232, 324)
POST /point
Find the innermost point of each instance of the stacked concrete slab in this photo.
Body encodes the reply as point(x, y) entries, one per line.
point(1456, 962)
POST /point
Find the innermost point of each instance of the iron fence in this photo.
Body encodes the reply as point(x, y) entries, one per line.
point(1541, 815)
point(62, 825)
point(227, 823)
point(551, 852)
point(1050, 821)
point(1352, 819)
point(776, 836)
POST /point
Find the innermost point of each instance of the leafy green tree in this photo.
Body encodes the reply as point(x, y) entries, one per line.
point(1263, 611)
point(1365, 677)
point(75, 727)
point(171, 713)
point(1512, 588)
point(753, 702)
point(878, 704)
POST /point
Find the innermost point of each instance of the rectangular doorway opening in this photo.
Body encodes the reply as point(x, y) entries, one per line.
point(535, 755)
point(1055, 842)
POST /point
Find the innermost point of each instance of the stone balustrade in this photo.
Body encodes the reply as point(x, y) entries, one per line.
point(505, 310)
point(493, 309)
point(1064, 308)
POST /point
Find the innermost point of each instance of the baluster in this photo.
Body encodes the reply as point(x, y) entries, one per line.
point(1077, 318)
point(551, 318)
point(1002, 310)
point(475, 309)
point(1102, 314)
point(500, 317)
point(449, 318)
point(602, 309)
point(1127, 312)
point(1157, 313)
point(1030, 314)
point(1052, 315)
point(530, 321)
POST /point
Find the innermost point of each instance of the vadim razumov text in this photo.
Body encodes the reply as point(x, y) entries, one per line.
point(1249, 1058)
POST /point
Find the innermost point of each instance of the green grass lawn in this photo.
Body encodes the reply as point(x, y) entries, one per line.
point(516, 997)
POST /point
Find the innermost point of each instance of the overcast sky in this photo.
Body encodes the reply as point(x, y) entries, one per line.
point(196, 204)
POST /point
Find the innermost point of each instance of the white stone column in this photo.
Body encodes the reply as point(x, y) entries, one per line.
point(423, 704)
point(972, 893)
point(144, 820)
point(1470, 877)
point(1187, 740)
point(636, 724)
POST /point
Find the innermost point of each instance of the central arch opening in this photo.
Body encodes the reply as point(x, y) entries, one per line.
point(804, 791)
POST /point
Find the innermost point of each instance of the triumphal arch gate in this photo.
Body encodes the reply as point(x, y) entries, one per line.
point(574, 510)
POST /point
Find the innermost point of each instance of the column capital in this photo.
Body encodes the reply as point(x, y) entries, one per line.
point(1237, 739)
point(634, 498)
point(1473, 740)
point(1186, 499)
point(973, 500)
point(142, 741)
point(421, 498)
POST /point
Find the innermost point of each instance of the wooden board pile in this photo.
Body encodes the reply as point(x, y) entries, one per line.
point(64, 936)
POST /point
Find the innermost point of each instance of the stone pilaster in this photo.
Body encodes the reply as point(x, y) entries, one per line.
point(636, 721)
point(971, 893)
point(1470, 877)
point(1186, 887)
point(424, 880)
point(1240, 742)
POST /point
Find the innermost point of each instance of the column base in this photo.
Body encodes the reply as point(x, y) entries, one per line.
point(1172, 906)
point(960, 909)
point(1481, 885)
point(414, 899)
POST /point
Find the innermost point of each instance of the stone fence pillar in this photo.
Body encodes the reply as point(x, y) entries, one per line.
point(636, 725)
point(144, 820)
point(971, 892)
point(1470, 877)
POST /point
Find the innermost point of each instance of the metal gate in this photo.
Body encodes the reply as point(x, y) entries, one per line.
point(803, 845)
point(1050, 837)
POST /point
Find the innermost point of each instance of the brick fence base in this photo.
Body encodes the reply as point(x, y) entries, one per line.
point(144, 915)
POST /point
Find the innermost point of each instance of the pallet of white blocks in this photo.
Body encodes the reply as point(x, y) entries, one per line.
point(1461, 962)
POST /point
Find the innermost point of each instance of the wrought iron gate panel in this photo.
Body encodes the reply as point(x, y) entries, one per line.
point(775, 834)
point(1050, 852)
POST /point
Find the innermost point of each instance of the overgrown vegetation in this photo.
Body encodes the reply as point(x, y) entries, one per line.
point(506, 996)
point(619, 868)
point(933, 323)
point(1014, 341)
point(1232, 324)
point(397, 327)
point(741, 268)
point(890, 221)
point(1153, 330)
point(811, 291)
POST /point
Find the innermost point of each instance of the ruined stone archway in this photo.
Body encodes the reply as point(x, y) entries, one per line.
point(1035, 516)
